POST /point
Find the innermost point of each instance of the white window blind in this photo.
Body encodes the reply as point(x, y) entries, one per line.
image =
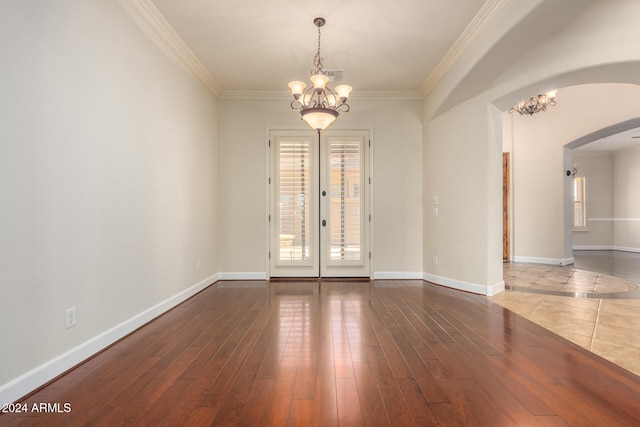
point(346, 177)
point(579, 202)
point(294, 209)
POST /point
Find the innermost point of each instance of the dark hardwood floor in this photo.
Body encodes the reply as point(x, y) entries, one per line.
point(340, 353)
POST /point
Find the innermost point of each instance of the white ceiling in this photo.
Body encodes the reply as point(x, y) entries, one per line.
point(616, 142)
point(382, 45)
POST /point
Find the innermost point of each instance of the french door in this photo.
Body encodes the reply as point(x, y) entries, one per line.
point(319, 204)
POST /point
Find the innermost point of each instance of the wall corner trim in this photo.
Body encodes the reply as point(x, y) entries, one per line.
point(29, 381)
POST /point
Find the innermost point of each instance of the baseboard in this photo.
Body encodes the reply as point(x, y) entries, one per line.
point(626, 249)
point(397, 275)
point(488, 290)
point(242, 276)
point(593, 248)
point(26, 383)
point(606, 248)
point(538, 260)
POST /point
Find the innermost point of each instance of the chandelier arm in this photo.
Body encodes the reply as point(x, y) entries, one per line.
point(306, 95)
point(335, 98)
point(314, 99)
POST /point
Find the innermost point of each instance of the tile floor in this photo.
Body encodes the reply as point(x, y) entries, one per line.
point(594, 303)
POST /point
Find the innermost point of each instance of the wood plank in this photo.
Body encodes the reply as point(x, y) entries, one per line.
point(257, 403)
point(396, 408)
point(305, 381)
point(419, 371)
point(419, 406)
point(394, 357)
point(371, 406)
point(350, 354)
point(233, 406)
point(348, 402)
point(302, 414)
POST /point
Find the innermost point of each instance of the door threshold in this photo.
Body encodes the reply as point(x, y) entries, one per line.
point(323, 279)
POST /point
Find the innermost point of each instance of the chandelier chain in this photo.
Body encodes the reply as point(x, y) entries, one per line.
point(317, 60)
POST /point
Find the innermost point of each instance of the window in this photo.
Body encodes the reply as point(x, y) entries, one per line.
point(345, 159)
point(579, 203)
point(294, 208)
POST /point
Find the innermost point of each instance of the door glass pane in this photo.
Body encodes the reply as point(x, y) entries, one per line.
point(294, 209)
point(345, 159)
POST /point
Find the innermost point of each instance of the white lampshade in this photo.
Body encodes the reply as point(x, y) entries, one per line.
point(551, 93)
point(297, 88)
point(319, 80)
point(319, 118)
point(343, 92)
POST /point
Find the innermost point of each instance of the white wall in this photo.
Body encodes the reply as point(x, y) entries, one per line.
point(397, 136)
point(108, 172)
point(457, 159)
point(626, 207)
point(584, 42)
point(613, 199)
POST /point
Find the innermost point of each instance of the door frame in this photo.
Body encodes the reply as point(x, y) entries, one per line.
point(369, 182)
point(330, 268)
point(506, 207)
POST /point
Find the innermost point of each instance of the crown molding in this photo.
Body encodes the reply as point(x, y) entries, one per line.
point(476, 27)
point(385, 95)
point(408, 95)
point(255, 94)
point(148, 14)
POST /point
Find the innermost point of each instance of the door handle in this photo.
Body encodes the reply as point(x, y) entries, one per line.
point(324, 222)
point(324, 193)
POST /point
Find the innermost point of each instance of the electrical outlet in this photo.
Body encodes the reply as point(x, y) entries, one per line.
point(70, 317)
point(197, 265)
point(435, 260)
point(435, 211)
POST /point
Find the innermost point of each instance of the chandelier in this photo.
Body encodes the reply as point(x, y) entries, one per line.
point(319, 106)
point(536, 104)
